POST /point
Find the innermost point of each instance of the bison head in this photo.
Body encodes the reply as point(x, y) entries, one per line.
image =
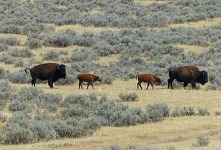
point(97, 78)
point(202, 77)
point(62, 71)
point(158, 81)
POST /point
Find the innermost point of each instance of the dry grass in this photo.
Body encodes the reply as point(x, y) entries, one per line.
point(148, 2)
point(81, 29)
point(179, 132)
point(174, 98)
point(109, 59)
point(199, 24)
point(194, 48)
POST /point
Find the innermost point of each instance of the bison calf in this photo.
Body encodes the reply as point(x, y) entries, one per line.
point(48, 71)
point(149, 78)
point(89, 78)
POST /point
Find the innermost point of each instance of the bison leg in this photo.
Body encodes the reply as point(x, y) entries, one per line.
point(139, 84)
point(185, 84)
point(193, 84)
point(33, 81)
point(90, 83)
point(50, 83)
point(80, 85)
point(34, 78)
point(170, 81)
point(148, 85)
point(151, 85)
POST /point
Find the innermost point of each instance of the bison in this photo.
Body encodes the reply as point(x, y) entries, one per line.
point(89, 78)
point(149, 78)
point(47, 71)
point(187, 74)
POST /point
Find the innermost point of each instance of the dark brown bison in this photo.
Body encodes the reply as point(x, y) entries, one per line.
point(187, 74)
point(48, 71)
point(89, 78)
point(149, 78)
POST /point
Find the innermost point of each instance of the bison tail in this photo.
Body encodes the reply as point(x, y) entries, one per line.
point(136, 77)
point(26, 70)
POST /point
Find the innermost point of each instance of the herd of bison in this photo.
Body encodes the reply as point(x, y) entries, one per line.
point(54, 71)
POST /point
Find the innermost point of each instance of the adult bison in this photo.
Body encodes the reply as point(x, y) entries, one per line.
point(187, 74)
point(89, 78)
point(149, 78)
point(47, 71)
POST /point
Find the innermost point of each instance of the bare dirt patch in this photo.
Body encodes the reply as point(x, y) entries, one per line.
point(193, 48)
point(148, 2)
point(81, 29)
point(199, 24)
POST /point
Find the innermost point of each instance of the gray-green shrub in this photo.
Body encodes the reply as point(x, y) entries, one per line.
point(183, 111)
point(202, 140)
point(157, 112)
point(7, 58)
point(217, 113)
point(19, 77)
point(17, 134)
point(51, 55)
point(3, 118)
point(21, 52)
point(5, 93)
point(19, 62)
point(130, 97)
point(34, 43)
point(18, 106)
point(12, 41)
point(203, 112)
point(4, 47)
point(43, 129)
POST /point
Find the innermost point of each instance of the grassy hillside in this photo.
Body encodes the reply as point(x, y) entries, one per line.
point(115, 40)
